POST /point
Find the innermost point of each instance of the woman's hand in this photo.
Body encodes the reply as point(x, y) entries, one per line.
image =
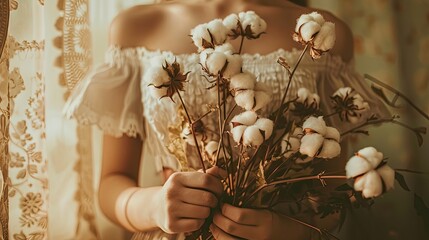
point(185, 200)
point(233, 222)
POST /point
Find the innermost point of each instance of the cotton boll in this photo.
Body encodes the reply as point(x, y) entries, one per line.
point(262, 99)
point(356, 166)
point(290, 145)
point(332, 133)
point(204, 55)
point(325, 39)
point(310, 144)
point(245, 99)
point(369, 184)
point(388, 176)
point(330, 149)
point(294, 140)
point(307, 98)
point(304, 18)
point(245, 118)
point(302, 94)
point(252, 136)
point(226, 48)
point(343, 92)
point(308, 30)
point(265, 125)
point(211, 148)
point(360, 103)
point(157, 77)
point(235, 63)
point(316, 124)
point(371, 154)
point(314, 100)
point(256, 23)
point(242, 81)
point(237, 133)
point(298, 132)
point(215, 62)
point(218, 31)
point(231, 22)
point(199, 33)
point(202, 32)
point(188, 137)
point(317, 17)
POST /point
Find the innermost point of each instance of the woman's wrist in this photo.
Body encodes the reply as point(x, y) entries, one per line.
point(140, 209)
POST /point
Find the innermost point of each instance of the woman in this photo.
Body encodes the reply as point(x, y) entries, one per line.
point(136, 126)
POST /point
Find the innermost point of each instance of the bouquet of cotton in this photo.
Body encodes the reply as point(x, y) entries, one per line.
point(279, 157)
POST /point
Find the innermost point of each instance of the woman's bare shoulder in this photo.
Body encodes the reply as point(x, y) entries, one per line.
point(131, 26)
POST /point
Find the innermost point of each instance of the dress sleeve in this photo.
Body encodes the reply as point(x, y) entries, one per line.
point(110, 95)
point(336, 74)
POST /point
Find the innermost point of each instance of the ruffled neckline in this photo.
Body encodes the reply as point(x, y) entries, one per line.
point(116, 55)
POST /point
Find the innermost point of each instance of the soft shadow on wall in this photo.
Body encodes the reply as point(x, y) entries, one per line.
point(391, 42)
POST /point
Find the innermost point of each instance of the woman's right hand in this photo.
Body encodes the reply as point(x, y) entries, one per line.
point(185, 200)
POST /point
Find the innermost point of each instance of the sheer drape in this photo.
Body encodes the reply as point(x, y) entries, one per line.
point(51, 163)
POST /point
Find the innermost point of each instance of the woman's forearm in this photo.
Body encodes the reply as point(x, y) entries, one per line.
point(126, 204)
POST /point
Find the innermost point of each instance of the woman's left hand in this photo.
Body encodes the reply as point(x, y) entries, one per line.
point(234, 222)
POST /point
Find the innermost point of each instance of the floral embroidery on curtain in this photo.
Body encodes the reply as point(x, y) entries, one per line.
point(27, 176)
point(4, 122)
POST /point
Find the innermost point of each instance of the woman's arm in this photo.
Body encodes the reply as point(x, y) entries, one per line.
point(118, 181)
point(180, 205)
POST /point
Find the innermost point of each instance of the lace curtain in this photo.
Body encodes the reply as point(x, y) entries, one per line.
point(50, 166)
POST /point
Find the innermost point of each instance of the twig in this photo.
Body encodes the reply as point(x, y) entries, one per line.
point(378, 121)
point(411, 171)
point(241, 44)
point(280, 110)
point(397, 94)
point(320, 231)
point(192, 129)
point(319, 177)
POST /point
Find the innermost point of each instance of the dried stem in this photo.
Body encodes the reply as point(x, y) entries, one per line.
point(280, 110)
point(397, 94)
point(241, 44)
point(191, 124)
point(411, 171)
point(319, 177)
point(377, 121)
point(290, 81)
point(308, 225)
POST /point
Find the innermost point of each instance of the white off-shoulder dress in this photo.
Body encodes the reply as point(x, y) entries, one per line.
point(117, 98)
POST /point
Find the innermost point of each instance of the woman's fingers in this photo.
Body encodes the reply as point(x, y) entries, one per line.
point(199, 180)
point(193, 211)
point(232, 228)
point(198, 197)
point(184, 225)
point(246, 216)
point(219, 234)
